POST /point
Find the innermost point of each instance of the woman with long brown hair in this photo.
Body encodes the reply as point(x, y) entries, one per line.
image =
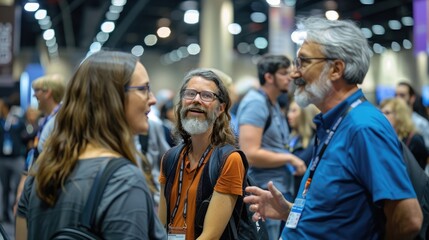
point(106, 104)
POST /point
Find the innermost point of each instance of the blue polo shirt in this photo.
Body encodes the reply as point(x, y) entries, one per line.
point(361, 167)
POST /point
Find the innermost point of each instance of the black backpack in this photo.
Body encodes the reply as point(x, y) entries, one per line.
point(241, 225)
point(420, 182)
point(88, 228)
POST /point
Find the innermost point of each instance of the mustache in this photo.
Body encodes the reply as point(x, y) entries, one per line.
point(299, 82)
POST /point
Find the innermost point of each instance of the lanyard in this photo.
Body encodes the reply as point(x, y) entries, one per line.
point(39, 132)
point(318, 157)
point(280, 126)
point(179, 194)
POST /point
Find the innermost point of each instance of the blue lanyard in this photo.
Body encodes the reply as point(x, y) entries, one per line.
point(318, 157)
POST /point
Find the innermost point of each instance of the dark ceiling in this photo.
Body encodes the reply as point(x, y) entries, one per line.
point(76, 22)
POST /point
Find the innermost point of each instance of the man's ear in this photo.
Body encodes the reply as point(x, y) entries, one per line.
point(221, 109)
point(268, 77)
point(412, 100)
point(337, 70)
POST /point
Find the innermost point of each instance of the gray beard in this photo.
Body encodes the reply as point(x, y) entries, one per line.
point(314, 92)
point(195, 126)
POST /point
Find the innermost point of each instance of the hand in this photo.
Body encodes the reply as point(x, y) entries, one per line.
point(299, 165)
point(267, 204)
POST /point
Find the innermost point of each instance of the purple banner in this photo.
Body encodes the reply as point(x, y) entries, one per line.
point(421, 25)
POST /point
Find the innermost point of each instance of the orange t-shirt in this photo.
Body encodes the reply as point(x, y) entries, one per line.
point(230, 181)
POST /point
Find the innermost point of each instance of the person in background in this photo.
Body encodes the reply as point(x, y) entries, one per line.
point(264, 132)
point(49, 92)
point(203, 123)
point(399, 115)
point(106, 104)
point(31, 121)
point(357, 186)
point(406, 92)
point(168, 120)
point(11, 154)
point(301, 139)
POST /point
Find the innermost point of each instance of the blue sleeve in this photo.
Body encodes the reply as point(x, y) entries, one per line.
point(252, 112)
point(379, 166)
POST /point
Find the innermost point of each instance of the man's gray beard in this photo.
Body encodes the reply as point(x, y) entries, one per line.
point(195, 126)
point(314, 92)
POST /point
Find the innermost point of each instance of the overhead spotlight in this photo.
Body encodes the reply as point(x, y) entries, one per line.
point(378, 29)
point(137, 50)
point(234, 28)
point(394, 24)
point(40, 14)
point(332, 15)
point(163, 32)
point(274, 3)
point(367, 2)
point(407, 21)
point(107, 27)
point(258, 17)
point(191, 17)
point(31, 6)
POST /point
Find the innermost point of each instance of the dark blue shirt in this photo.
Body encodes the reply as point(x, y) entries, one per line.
point(361, 167)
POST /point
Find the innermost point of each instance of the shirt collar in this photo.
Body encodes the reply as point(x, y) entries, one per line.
point(325, 121)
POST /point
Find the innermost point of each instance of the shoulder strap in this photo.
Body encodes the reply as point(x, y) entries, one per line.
point(270, 111)
point(221, 154)
point(169, 164)
point(87, 218)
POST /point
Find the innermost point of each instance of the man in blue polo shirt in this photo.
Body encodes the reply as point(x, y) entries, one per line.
point(356, 186)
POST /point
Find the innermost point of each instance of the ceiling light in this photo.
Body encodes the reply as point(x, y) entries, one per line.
point(274, 3)
point(112, 16)
point(234, 28)
point(163, 32)
point(108, 27)
point(191, 16)
point(243, 47)
point(137, 50)
point(102, 37)
point(378, 29)
point(119, 2)
point(40, 14)
point(31, 6)
point(366, 32)
point(258, 17)
point(332, 15)
point(48, 34)
point(367, 2)
point(407, 44)
point(150, 40)
point(95, 47)
point(377, 48)
point(407, 21)
point(261, 42)
point(394, 24)
point(396, 47)
point(194, 49)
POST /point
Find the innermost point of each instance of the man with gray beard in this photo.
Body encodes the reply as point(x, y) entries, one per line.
point(264, 132)
point(356, 186)
point(203, 123)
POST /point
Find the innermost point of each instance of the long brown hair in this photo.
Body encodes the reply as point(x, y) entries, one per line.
point(222, 132)
point(93, 112)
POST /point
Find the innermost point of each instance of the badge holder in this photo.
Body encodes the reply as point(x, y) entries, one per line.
point(176, 233)
point(295, 213)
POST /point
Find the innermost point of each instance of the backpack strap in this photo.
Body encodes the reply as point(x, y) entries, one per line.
point(270, 111)
point(87, 218)
point(208, 181)
point(169, 166)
